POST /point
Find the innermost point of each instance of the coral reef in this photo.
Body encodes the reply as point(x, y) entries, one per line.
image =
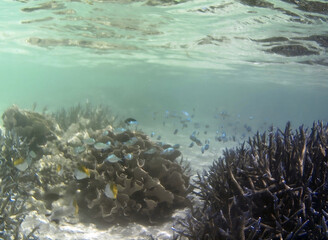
point(94, 169)
point(150, 183)
point(12, 194)
point(96, 117)
point(32, 126)
point(276, 188)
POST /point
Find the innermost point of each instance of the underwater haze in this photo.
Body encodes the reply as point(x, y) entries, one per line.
point(265, 59)
point(234, 66)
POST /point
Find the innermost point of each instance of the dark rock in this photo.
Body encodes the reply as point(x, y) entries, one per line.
point(322, 40)
point(32, 126)
point(257, 3)
point(272, 39)
point(292, 50)
point(310, 6)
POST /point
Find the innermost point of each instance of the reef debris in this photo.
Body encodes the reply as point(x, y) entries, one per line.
point(275, 188)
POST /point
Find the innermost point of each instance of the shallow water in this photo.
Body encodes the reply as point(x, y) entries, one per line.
point(143, 58)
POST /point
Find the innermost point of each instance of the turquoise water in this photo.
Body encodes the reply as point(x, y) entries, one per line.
point(234, 65)
point(140, 57)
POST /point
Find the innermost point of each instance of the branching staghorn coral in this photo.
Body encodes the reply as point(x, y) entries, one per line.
point(275, 188)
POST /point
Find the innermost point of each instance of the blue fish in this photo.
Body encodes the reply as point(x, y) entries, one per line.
point(202, 149)
point(176, 146)
point(195, 139)
point(128, 156)
point(131, 121)
point(185, 113)
point(206, 146)
point(168, 151)
point(79, 149)
point(112, 159)
point(89, 141)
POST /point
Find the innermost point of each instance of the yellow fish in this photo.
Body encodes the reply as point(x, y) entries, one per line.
point(59, 169)
point(111, 190)
point(81, 173)
point(21, 164)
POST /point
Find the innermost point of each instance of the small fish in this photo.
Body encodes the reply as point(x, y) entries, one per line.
point(150, 151)
point(194, 139)
point(128, 156)
point(185, 120)
point(131, 141)
point(112, 159)
point(79, 149)
point(176, 146)
point(175, 131)
point(152, 134)
point(206, 146)
point(168, 151)
point(59, 169)
point(191, 144)
point(119, 130)
point(111, 190)
point(21, 164)
point(81, 172)
point(131, 121)
point(32, 154)
point(102, 146)
point(89, 141)
point(202, 149)
point(185, 113)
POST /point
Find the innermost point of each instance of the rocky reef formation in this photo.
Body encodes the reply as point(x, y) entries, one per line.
point(91, 168)
point(275, 188)
point(35, 128)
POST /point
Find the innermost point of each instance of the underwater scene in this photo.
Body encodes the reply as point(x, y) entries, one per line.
point(163, 119)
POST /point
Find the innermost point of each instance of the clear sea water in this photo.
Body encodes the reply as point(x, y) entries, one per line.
point(143, 59)
point(140, 58)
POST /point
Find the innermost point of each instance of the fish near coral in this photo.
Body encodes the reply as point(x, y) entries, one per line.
point(112, 158)
point(21, 164)
point(111, 190)
point(102, 146)
point(168, 151)
point(131, 121)
point(81, 173)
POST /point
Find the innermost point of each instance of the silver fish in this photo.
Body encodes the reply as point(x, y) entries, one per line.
point(102, 146)
point(168, 151)
point(112, 159)
point(89, 141)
